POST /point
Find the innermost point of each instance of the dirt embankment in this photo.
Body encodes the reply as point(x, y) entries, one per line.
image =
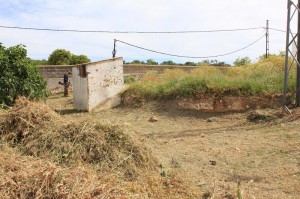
point(214, 103)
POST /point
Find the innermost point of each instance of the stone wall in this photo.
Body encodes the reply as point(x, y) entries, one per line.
point(54, 73)
point(142, 69)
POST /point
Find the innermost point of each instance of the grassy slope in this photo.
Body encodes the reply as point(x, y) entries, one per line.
point(262, 78)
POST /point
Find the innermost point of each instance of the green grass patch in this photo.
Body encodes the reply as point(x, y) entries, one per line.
point(262, 78)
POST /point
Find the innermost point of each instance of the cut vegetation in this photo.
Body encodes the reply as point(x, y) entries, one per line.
point(57, 158)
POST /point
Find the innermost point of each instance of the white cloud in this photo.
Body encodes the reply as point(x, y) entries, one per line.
point(143, 15)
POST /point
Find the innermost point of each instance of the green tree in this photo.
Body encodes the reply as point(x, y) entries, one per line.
point(151, 62)
point(79, 59)
point(19, 76)
point(189, 63)
point(168, 63)
point(137, 62)
point(242, 61)
point(60, 57)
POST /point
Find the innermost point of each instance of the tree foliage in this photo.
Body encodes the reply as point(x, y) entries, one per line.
point(79, 59)
point(19, 76)
point(190, 63)
point(151, 62)
point(64, 57)
point(242, 61)
point(137, 62)
point(168, 63)
point(60, 57)
point(172, 63)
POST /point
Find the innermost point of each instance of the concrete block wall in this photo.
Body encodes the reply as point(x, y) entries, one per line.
point(54, 73)
point(142, 69)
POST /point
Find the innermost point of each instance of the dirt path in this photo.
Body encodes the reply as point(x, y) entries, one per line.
point(214, 150)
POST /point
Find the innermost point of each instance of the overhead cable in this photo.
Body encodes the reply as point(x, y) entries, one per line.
point(278, 30)
point(192, 57)
point(129, 32)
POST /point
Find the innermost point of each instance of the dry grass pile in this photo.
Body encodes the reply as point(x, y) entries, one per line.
point(28, 177)
point(38, 131)
point(71, 160)
point(25, 117)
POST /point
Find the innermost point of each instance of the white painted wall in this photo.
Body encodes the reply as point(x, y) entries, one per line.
point(103, 83)
point(80, 88)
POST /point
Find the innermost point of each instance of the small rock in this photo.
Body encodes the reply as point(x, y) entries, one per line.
point(238, 149)
point(153, 119)
point(212, 119)
point(212, 162)
point(202, 135)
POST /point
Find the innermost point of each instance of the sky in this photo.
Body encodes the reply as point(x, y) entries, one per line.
point(145, 16)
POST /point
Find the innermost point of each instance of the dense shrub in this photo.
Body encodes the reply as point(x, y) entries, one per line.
point(64, 57)
point(60, 57)
point(79, 59)
point(19, 76)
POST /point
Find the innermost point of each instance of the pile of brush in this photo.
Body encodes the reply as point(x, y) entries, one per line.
point(28, 177)
point(45, 155)
point(38, 131)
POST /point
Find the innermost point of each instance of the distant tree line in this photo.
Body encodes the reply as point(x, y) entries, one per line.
point(189, 63)
point(62, 57)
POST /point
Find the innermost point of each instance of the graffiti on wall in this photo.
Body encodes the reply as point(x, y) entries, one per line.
point(110, 80)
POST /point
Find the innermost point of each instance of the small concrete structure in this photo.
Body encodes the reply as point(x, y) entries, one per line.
point(97, 85)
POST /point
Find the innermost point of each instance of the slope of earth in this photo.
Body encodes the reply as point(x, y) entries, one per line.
point(255, 153)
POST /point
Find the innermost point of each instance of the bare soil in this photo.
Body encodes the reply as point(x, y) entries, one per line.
point(260, 148)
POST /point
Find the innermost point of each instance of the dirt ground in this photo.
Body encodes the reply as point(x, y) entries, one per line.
point(214, 150)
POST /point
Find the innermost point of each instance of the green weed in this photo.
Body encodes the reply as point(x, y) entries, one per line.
point(262, 78)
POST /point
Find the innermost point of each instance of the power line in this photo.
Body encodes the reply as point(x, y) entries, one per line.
point(129, 32)
point(278, 30)
point(193, 57)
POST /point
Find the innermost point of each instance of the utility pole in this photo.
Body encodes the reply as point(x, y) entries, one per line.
point(267, 38)
point(298, 59)
point(286, 67)
point(114, 50)
point(295, 39)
